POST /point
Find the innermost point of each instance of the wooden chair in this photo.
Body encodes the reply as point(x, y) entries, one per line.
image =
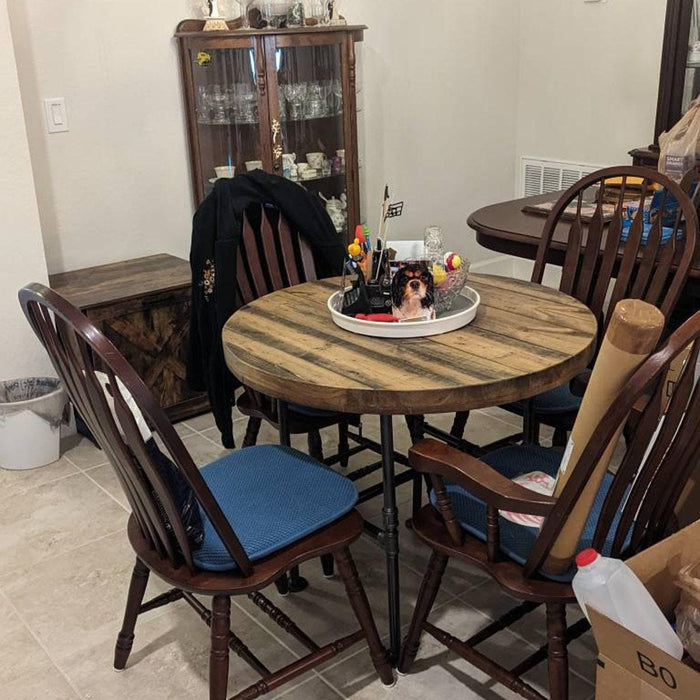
point(634, 509)
point(602, 265)
point(249, 534)
point(271, 257)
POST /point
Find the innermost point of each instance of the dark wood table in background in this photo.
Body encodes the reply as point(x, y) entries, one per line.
point(525, 339)
point(506, 228)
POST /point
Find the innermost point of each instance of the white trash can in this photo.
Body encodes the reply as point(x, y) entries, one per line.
point(31, 412)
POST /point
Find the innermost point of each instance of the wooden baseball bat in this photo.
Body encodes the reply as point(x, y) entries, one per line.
point(633, 332)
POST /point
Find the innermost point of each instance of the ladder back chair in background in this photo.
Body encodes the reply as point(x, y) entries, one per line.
point(604, 263)
point(231, 528)
point(633, 509)
point(272, 257)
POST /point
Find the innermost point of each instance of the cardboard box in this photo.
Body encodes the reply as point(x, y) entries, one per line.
point(630, 668)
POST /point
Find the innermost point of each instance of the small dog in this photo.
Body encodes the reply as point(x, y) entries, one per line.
point(413, 292)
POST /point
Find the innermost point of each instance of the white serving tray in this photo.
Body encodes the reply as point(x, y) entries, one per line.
point(463, 312)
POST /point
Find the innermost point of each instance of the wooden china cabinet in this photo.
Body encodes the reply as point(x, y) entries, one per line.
point(267, 98)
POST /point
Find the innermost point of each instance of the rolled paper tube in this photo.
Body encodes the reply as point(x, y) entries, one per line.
point(633, 332)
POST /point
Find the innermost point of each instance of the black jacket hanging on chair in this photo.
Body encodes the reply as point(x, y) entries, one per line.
point(216, 235)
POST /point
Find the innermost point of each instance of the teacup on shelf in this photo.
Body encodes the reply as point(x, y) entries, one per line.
point(251, 165)
point(225, 171)
point(317, 160)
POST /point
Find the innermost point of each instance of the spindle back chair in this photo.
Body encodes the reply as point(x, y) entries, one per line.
point(270, 257)
point(156, 529)
point(609, 256)
point(634, 510)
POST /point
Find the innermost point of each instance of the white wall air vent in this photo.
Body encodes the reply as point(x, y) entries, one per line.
point(539, 176)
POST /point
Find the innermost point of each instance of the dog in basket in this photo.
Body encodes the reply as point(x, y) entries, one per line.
point(413, 292)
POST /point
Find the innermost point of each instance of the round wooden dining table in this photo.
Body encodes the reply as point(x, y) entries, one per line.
point(525, 339)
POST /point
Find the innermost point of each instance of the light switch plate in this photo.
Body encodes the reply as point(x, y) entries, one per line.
point(55, 114)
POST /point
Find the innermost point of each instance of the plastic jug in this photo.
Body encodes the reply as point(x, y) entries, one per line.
point(613, 589)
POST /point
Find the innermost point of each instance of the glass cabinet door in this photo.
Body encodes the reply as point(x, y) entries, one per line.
point(308, 129)
point(228, 110)
point(691, 86)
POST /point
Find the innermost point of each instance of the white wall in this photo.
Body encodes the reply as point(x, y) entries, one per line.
point(439, 100)
point(20, 236)
point(588, 78)
point(439, 119)
point(452, 95)
point(116, 185)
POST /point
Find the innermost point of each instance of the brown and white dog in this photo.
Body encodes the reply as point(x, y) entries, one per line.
point(412, 292)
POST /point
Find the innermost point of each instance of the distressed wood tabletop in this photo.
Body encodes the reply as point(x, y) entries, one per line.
point(525, 339)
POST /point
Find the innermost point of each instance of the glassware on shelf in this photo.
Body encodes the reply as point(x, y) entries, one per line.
point(282, 103)
point(245, 4)
point(316, 102)
point(318, 10)
point(219, 105)
point(245, 104)
point(275, 13)
point(337, 93)
point(295, 93)
point(203, 107)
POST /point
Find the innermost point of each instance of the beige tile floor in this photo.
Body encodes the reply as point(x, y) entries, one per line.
point(65, 565)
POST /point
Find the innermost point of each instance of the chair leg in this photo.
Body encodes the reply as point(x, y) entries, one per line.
point(282, 585)
point(363, 613)
point(343, 443)
point(125, 639)
point(315, 445)
point(558, 656)
point(531, 426)
point(426, 597)
point(459, 424)
point(218, 656)
point(251, 433)
point(417, 498)
point(328, 564)
point(415, 428)
point(560, 437)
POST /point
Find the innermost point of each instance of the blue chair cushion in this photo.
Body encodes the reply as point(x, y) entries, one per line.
point(272, 496)
point(517, 540)
point(313, 412)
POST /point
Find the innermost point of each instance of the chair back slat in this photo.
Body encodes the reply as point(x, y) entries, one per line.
point(255, 265)
point(589, 261)
point(601, 284)
point(307, 260)
point(630, 250)
point(573, 251)
point(99, 381)
point(629, 468)
point(287, 249)
point(245, 290)
point(683, 416)
point(271, 257)
point(642, 266)
point(271, 254)
point(656, 464)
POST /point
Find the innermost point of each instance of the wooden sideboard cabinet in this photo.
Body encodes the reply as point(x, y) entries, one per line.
point(272, 99)
point(143, 307)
